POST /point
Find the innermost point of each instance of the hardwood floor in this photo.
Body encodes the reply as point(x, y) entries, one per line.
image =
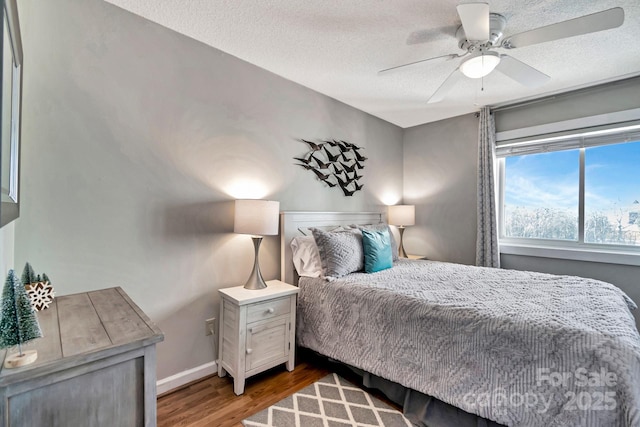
point(212, 403)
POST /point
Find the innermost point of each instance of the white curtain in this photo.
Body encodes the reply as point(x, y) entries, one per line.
point(487, 253)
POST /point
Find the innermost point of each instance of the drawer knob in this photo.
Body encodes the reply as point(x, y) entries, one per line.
point(270, 310)
point(249, 350)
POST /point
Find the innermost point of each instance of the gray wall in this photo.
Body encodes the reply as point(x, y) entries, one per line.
point(136, 140)
point(6, 249)
point(440, 176)
point(608, 98)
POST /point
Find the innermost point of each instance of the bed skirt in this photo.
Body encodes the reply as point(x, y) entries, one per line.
point(421, 409)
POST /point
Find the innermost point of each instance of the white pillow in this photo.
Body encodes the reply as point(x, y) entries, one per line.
point(306, 258)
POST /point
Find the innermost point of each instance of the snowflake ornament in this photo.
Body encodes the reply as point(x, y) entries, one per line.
point(41, 294)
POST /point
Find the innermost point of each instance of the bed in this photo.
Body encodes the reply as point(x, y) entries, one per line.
point(509, 347)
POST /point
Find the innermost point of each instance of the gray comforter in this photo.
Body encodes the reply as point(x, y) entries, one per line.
point(519, 348)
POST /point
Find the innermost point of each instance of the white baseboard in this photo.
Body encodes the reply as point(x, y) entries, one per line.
point(185, 377)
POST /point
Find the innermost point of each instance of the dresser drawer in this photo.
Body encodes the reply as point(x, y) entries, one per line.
point(268, 310)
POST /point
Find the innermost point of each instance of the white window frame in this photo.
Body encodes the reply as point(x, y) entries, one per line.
point(560, 249)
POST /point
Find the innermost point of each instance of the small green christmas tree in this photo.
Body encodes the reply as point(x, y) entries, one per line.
point(28, 275)
point(19, 323)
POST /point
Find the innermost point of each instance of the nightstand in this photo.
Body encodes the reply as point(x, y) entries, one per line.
point(257, 330)
point(417, 257)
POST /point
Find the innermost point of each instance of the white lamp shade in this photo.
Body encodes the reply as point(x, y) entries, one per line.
point(479, 65)
point(256, 217)
point(402, 215)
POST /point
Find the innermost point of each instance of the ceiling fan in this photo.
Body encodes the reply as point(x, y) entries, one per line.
point(481, 33)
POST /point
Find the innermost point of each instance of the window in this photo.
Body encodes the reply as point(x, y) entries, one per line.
point(612, 194)
point(577, 190)
point(541, 196)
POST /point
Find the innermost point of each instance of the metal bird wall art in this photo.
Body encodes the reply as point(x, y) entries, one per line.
point(335, 163)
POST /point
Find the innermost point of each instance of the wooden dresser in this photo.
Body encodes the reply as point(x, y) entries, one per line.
point(96, 366)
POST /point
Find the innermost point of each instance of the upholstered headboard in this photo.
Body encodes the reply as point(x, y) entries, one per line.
point(291, 224)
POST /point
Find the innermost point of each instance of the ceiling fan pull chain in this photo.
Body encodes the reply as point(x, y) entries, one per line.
point(482, 78)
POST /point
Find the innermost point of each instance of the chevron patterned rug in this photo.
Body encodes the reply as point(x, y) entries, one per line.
point(329, 402)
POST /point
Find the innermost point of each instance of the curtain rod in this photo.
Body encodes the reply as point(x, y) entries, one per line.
point(522, 104)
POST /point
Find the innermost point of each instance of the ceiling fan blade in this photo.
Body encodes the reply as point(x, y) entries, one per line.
point(521, 72)
point(450, 56)
point(600, 21)
point(445, 87)
point(475, 20)
point(432, 34)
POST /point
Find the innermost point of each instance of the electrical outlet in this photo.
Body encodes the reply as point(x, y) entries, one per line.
point(210, 325)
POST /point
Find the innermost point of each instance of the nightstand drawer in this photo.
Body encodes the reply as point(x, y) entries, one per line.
point(269, 309)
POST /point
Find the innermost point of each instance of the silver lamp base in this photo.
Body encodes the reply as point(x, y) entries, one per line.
point(401, 252)
point(255, 280)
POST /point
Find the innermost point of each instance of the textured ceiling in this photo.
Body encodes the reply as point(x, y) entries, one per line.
point(337, 47)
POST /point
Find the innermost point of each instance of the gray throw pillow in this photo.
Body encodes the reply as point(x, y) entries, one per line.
point(340, 251)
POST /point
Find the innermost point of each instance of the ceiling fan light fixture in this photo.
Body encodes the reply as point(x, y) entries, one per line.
point(480, 64)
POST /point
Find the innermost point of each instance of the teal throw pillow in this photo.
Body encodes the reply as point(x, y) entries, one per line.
point(377, 250)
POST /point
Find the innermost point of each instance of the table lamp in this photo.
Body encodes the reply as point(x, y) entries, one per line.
point(402, 215)
point(258, 218)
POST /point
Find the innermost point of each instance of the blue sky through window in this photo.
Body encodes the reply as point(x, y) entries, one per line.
point(612, 178)
point(545, 180)
point(541, 194)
